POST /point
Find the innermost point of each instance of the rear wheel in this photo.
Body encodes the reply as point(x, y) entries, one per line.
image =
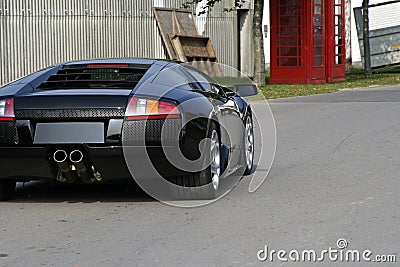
point(7, 189)
point(203, 184)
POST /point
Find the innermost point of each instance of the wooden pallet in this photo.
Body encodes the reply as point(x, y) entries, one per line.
point(182, 41)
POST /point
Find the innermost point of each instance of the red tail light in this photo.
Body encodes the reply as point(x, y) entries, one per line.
point(141, 108)
point(167, 108)
point(7, 110)
point(107, 65)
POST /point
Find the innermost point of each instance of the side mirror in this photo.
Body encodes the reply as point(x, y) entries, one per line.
point(245, 89)
point(229, 91)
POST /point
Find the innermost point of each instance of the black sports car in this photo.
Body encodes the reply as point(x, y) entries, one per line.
point(98, 120)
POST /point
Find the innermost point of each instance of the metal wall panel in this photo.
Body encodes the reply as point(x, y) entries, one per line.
point(384, 33)
point(35, 34)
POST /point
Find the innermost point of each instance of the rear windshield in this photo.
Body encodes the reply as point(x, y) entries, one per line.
point(96, 76)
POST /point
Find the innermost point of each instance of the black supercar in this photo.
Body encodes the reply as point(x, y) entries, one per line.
point(70, 123)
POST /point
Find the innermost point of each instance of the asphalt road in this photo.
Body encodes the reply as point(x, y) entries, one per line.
point(335, 175)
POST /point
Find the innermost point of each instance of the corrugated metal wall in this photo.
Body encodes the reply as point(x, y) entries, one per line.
point(35, 34)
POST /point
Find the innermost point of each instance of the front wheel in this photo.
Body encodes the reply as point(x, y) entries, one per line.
point(214, 170)
point(248, 144)
point(7, 189)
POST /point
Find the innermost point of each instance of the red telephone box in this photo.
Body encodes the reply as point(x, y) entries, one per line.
point(307, 41)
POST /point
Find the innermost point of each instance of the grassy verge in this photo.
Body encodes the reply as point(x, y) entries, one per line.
point(355, 79)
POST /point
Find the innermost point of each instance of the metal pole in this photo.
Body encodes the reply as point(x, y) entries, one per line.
point(367, 48)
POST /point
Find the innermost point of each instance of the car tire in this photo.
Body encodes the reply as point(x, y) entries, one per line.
point(203, 184)
point(248, 145)
point(7, 190)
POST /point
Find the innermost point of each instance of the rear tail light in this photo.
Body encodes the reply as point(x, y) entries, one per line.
point(141, 108)
point(7, 110)
point(107, 65)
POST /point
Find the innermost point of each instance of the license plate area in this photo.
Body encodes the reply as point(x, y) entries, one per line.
point(69, 133)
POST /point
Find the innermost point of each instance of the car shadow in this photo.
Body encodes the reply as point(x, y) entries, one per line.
point(45, 192)
point(129, 191)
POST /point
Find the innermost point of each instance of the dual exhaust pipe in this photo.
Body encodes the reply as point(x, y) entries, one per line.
point(61, 156)
point(77, 159)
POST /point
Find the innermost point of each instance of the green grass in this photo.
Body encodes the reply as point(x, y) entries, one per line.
point(355, 79)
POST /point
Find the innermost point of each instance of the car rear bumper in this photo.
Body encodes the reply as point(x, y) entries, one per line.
point(36, 163)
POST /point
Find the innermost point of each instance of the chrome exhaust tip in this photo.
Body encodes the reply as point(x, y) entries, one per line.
point(76, 156)
point(65, 175)
point(77, 159)
point(60, 156)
